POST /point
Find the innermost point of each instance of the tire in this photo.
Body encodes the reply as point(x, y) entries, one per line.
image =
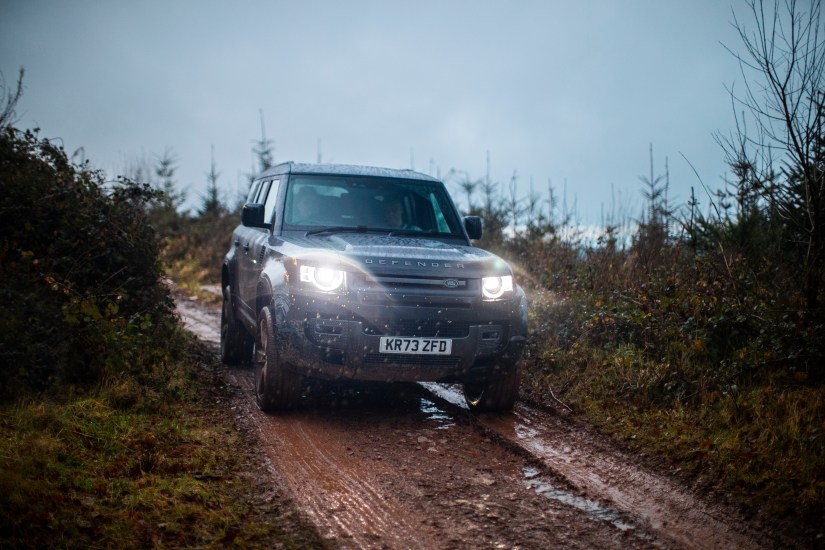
point(495, 394)
point(236, 343)
point(276, 389)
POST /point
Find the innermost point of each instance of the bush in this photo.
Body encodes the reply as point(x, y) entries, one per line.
point(193, 254)
point(82, 297)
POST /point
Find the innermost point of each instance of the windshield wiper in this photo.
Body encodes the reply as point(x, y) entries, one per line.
point(344, 229)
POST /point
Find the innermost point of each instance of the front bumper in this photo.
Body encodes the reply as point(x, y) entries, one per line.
point(324, 338)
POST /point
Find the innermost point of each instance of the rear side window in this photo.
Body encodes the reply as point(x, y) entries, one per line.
point(269, 201)
point(264, 192)
point(253, 192)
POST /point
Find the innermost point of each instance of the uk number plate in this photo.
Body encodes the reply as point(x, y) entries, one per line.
point(416, 346)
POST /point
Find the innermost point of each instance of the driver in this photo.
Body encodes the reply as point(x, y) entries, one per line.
point(306, 207)
point(394, 215)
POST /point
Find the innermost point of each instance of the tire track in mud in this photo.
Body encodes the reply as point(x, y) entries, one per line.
point(347, 508)
point(593, 468)
point(596, 467)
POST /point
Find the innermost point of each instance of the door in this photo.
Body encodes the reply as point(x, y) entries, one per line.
point(252, 248)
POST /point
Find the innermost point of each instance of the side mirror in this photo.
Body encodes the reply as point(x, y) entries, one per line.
point(252, 215)
point(473, 226)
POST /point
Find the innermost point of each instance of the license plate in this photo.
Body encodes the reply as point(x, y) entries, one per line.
point(416, 346)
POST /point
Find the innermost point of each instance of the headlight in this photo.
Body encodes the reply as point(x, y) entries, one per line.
point(493, 288)
point(323, 278)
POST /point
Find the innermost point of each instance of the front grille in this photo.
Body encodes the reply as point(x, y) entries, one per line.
point(421, 328)
point(412, 360)
point(389, 282)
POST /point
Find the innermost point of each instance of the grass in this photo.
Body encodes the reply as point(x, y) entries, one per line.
point(761, 442)
point(123, 466)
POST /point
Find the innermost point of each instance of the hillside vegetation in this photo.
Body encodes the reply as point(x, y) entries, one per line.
point(109, 430)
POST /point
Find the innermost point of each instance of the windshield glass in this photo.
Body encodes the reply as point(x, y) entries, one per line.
point(315, 202)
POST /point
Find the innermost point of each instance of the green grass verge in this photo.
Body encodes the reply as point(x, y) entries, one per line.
point(760, 443)
point(124, 466)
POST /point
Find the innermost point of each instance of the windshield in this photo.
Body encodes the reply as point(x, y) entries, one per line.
point(366, 203)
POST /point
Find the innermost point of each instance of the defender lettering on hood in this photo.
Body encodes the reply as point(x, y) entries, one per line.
point(362, 273)
point(408, 263)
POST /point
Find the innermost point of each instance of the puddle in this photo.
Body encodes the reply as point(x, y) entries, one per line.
point(532, 440)
point(449, 393)
point(437, 415)
point(594, 510)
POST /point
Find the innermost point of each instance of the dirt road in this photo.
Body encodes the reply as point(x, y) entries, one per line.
point(408, 466)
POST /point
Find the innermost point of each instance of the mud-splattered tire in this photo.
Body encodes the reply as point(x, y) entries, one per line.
point(495, 394)
point(236, 343)
point(276, 389)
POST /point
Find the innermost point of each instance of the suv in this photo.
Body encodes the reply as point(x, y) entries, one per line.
point(361, 273)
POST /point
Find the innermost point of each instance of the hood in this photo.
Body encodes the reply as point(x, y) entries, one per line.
point(383, 254)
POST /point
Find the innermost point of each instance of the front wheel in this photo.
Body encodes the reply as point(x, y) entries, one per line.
point(493, 394)
point(276, 388)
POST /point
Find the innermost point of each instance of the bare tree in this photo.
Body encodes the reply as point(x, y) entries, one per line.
point(783, 67)
point(467, 185)
point(9, 99)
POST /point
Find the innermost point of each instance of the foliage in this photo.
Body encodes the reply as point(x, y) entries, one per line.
point(82, 298)
point(702, 347)
point(783, 64)
point(128, 466)
point(109, 434)
point(701, 339)
point(194, 255)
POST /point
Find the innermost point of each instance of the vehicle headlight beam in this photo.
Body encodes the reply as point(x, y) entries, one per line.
point(493, 288)
point(323, 278)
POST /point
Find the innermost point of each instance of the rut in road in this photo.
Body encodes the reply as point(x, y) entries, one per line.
point(390, 469)
point(595, 466)
point(396, 467)
point(321, 477)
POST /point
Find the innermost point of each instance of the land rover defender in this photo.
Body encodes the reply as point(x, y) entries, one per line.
point(362, 273)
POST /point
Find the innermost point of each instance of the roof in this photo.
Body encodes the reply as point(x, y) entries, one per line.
point(347, 170)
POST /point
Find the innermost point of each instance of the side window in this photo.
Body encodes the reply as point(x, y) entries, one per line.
point(261, 197)
point(253, 192)
point(269, 203)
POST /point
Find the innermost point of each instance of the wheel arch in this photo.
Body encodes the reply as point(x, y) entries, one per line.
point(263, 295)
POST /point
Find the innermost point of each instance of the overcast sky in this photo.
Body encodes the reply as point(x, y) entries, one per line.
point(555, 91)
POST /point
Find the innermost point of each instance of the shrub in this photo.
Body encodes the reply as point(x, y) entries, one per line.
point(82, 296)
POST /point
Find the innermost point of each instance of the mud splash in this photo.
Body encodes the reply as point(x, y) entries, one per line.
point(437, 415)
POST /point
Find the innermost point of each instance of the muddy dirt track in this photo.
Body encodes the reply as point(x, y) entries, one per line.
point(408, 466)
